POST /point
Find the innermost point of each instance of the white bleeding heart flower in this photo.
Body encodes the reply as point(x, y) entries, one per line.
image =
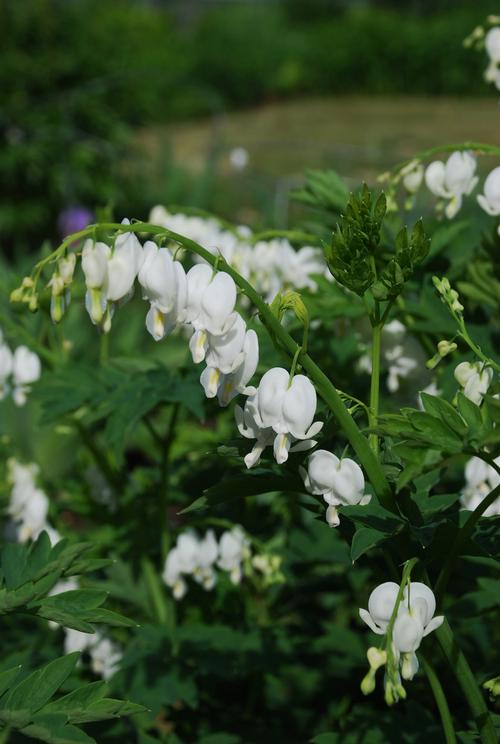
point(490, 199)
point(76, 640)
point(452, 180)
point(164, 284)
point(380, 607)
point(26, 369)
point(408, 632)
point(95, 258)
point(211, 300)
point(492, 44)
point(172, 574)
point(225, 351)
point(95, 263)
point(250, 429)
point(415, 614)
point(340, 481)
point(231, 362)
point(480, 479)
point(193, 557)
point(208, 552)
point(34, 516)
point(123, 266)
point(105, 656)
point(281, 410)
point(412, 176)
point(233, 550)
point(237, 382)
point(475, 380)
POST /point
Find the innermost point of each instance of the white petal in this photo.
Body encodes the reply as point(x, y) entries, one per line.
point(367, 618)
point(434, 624)
point(299, 407)
point(435, 178)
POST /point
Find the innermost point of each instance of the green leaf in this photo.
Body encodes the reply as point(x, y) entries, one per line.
point(54, 729)
point(365, 538)
point(37, 689)
point(7, 677)
point(440, 408)
point(87, 704)
point(244, 486)
point(76, 600)
point(471, 413)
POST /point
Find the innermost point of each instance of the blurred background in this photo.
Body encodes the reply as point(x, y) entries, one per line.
point(221, 104)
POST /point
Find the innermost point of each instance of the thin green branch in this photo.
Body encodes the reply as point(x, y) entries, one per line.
point(467, 682)
point(375, 386)
point(440, 698)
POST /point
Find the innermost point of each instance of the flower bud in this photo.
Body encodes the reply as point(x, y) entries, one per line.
point(446, 347)
point(56, 308)
point(409, 666)
point(368, 683)
point(377, 657)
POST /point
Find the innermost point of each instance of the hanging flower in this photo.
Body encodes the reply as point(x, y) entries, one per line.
point(210, 306)
point(492, 46)
point(452, 180)
point(231, 359)
point(233, 550)
point(475, 380)
point(340, 481)
point(282, 406)
point(412, 176)
point(490, 199)
point(164, 284)
point(26, 369)
point(480, 479)
point(95, 267)
point(124, 264)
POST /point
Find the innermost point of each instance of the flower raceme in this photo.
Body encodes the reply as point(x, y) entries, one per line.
point(340, 481)
point(280, 412)
point(452, 180)
point(198, 558)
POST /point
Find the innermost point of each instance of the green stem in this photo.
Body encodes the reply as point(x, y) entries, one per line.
point(479, 148)
point(165, 453)
point(111, 475)
point(375, 386)
point(155, 591)
point(462, 536)
point(467, 682)
point(440, 698)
